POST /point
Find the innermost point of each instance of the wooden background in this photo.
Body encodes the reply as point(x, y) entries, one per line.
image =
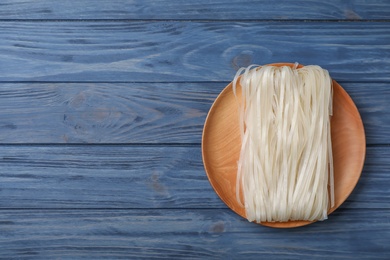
point(102, 105)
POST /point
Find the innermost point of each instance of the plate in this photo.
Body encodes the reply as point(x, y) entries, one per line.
point(221, 145)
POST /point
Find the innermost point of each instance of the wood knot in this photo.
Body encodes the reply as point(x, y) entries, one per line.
point(218, 227)
point(351, 15)
point(156, 185)
point(244, 59)
point(78, 100)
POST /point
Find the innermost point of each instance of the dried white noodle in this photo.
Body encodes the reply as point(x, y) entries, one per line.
point(285, 163)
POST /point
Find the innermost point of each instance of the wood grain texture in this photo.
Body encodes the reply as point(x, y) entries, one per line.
point(138, 177)
point(187, 51)
point(103, 177)
point(195, 10)
point(152, 199)
point(195, 234)
point(140, 112)
point(104, 113)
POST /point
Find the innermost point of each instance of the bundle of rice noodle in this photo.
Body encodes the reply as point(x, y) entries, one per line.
point(285, 169)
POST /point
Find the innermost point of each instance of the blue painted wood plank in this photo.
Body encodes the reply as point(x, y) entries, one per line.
point(195, 10)
point(104, 113)
point(168, 51)
point(195, 234)
point(138, 177)
point(140, 112)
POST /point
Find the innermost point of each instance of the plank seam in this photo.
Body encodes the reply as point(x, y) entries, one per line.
point(129, 144)
point(104, 144)
point(204, 20)
point(162, 82)
point(155, 209)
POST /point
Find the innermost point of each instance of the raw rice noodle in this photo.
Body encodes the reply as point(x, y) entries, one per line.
point(285, 169)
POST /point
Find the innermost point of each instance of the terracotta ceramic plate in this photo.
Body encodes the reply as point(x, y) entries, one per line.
point(221, 145)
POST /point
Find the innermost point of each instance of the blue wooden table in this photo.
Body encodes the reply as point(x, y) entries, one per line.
point(102, 105)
